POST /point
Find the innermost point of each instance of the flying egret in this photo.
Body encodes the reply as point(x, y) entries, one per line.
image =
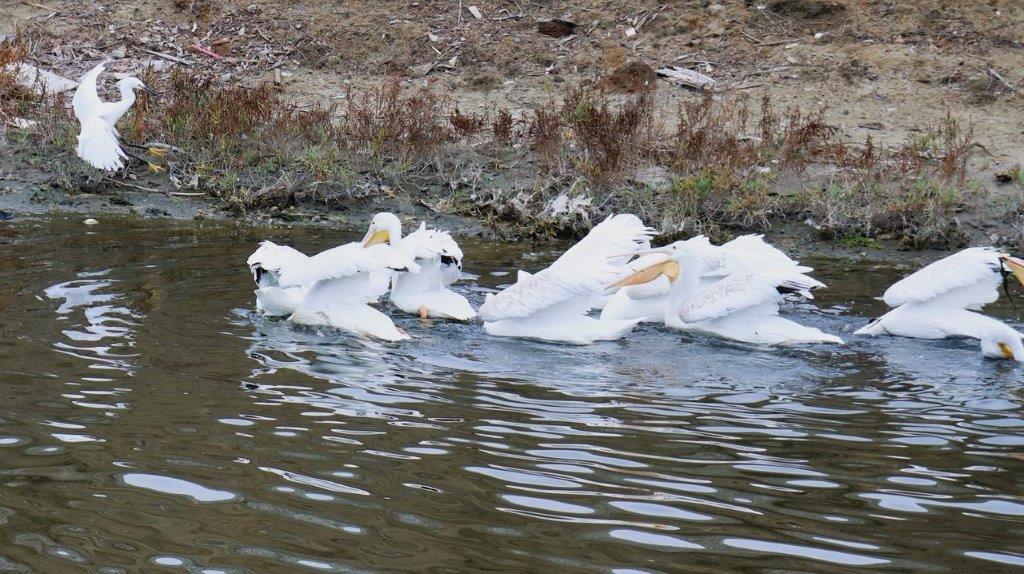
point(552, 304)
point(424, 292)
point(98, 141)
point(940, 300)
point(647, 301)
point(742, 306)
point(1002, 342)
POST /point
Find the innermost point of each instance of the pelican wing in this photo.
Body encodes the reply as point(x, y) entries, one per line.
point(616, 235)
point(749, 251)
point(741, 291)
point(345, 261)
point(271, 257)
point(430, 243)
point(86, 102)
point(581, 272)
point(98, 145)
point(968, 279)
point(553, 286)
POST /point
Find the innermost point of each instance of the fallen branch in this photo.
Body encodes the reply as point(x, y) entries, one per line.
point(166, 56)
point(36, 5)
point(686, 77)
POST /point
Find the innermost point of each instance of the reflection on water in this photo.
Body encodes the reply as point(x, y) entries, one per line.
point(148, 421)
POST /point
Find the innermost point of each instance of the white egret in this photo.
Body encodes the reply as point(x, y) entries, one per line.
point(742, 306)
point(424, 292)
point(1002, 342)
point(940, 300)
point(98, 143)
point(552, 304)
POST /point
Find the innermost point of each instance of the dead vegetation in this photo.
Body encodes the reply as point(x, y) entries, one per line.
point(728, 164)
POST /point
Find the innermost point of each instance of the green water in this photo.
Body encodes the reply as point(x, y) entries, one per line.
point(148, 422)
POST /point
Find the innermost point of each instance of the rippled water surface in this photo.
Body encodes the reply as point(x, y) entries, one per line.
point(148, 422)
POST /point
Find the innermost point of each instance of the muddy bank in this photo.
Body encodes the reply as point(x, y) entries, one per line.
point(25, 193)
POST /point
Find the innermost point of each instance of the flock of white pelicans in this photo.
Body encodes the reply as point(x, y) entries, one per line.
point(731, 291)
point(612, 280)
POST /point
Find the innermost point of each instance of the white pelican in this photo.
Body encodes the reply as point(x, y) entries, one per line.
point(552, 304)
point(1002, 342)
point(939, 300)
point(341, 282)
point(266, 264)
point(424, 293)
point(647, 301)
point(98, 141)
point(743, 306)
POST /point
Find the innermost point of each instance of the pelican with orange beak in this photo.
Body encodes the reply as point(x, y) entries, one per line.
point(742, 306)
point(425, 291)
point(941, 300)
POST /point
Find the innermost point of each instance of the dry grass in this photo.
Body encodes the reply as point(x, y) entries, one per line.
point(719, 169)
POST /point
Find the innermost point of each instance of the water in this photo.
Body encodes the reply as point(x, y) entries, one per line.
point(149, 423)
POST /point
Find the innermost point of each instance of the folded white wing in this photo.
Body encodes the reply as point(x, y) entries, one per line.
point(741, 291)
point(98, 145)
point(345, 261)
point(967, 279)
point(585, 270)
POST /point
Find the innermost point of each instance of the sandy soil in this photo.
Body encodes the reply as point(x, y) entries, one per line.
point(887, 68)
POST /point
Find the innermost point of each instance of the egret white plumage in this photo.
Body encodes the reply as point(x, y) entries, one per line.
point(742, 306)
point(341, 282)
point(424, 292)
point(266, 264)
point(552, 304)
point(1002, 342)
point(98, 143)
point(940, 300)
point(646, 301)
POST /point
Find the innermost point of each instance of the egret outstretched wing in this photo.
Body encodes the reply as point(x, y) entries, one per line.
point(98, 145)
point(86, 101)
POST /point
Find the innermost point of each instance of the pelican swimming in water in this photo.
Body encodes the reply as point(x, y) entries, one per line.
point(742, 306)
point(647, 301)
point(552, 304)
point(940, 300)
point(424, 292)
point(340, 283)
point(1002, 342)
point(266, 264)
point(98, 143)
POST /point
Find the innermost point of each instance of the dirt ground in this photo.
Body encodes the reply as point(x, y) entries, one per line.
point(885, 68)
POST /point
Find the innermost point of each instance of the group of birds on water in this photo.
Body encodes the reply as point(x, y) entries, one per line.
point(611, 281)
point(598, 290)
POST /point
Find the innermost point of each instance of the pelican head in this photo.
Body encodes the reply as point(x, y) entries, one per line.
point(132, 84)
point(384, 228)
point(1012, 265)
point(1003, 342)
point(654, 263)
